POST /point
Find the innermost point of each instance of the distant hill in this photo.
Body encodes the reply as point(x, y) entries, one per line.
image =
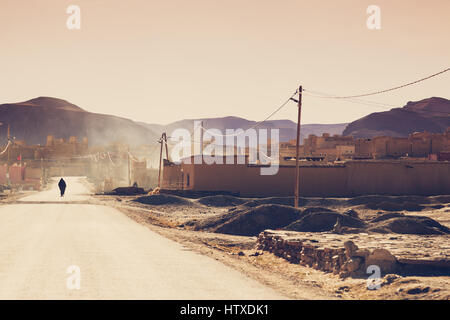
point(33, 120)
point(432, 115)
point(288, 128)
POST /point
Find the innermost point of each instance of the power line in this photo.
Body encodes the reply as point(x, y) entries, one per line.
point(385, 90)
point(6, 148)
point(318, 94)
point(353, 100)
point(257, 123)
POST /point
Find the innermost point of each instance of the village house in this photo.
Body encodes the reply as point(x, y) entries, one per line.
point(394, 166)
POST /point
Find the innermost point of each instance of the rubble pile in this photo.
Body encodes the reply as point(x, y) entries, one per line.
point(340, 255)
point(127, 191)
point(163, 199)
point(221, 201)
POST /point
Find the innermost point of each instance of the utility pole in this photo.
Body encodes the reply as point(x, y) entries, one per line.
point(42, 173)
point(164, 136)
point(7, 163)
point(297, 148)
point(201, 141)
point(161, 141)
point(129, 169)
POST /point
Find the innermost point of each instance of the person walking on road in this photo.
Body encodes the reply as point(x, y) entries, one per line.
point(62, 186)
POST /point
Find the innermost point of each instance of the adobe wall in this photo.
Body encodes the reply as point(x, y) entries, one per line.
point(33, 173)
point(314, 182)
point(398, 178)
point(352, 179)
point(171, 177)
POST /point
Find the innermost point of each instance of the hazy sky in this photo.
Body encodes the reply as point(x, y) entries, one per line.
point(161, 61)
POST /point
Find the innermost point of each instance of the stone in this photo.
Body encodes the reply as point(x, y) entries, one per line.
point(350, 248)
point(353, 264)
point(383, 259)
point(418, 290)
point(390, 278)
point(337, 228)
point(352, 213)
point(344, 288)
point(363, 253)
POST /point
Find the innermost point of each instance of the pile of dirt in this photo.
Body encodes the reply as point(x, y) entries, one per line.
point(352, 213)
point(403, 224)
point(289, 201)
point(326, 202)
point(221, 201)
point(443, 199)
point(387, 216)
point(127, 191)
point(323, 220)
point(377, 199)
point(252, 221)
point(395, 206)
point(286, 201)
point(163, 199)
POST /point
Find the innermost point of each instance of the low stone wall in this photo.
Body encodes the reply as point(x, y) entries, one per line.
point(340, 255)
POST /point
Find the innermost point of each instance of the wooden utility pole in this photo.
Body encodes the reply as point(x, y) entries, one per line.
point(201, 141)
point(42, 173)
point(7, 162)
point(165, 142)
point(297, 148)
point(129, 167)
point(161, 141)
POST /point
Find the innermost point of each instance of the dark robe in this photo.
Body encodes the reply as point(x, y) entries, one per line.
point(62, 186)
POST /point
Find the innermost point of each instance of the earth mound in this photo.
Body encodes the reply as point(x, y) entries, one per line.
point(289, 201)
point(286, 201)
point(221, 201)
point(321, 221)
point(326, 202)
point(387, 216)
point(409, 225)
point(127, 191)
point(377, 199)
point(252, 221)
point(162, 199)
point(395, 206)
point(443, 199)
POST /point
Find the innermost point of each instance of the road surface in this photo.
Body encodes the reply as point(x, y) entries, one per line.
point(59, 248)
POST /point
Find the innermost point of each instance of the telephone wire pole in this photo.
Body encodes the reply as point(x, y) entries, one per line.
point(297, 148)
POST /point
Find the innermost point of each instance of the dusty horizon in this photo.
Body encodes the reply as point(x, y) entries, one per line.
point(200, 118)
point(160, 62)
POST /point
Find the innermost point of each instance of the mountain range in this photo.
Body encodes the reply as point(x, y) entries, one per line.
point(288, 128)
point(432, 115)
point(34, 119)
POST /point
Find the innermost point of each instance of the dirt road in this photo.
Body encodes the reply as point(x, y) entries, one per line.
point(61, 248)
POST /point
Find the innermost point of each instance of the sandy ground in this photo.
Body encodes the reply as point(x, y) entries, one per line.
point(292, 280)
point(42, 235)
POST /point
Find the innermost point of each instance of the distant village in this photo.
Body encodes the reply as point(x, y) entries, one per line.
point(432, 146)
point(340, 166)
point(29, 167)
point(331, 166)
